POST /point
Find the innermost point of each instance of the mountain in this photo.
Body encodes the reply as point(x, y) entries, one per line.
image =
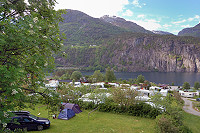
point(95, 44)
point(162, 32)
point(193, 31)
point(122, 23)
point(134, 52)
point(82, 29)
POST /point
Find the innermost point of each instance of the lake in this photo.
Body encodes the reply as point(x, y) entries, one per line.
point(159, 77)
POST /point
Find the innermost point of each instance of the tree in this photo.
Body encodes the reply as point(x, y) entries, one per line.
point(29, 36)
point(140, 79)
point(196, 85)
point(109, 76)
point(186, 86)
point(76, 75)
point(97, 76)
point(124, 97)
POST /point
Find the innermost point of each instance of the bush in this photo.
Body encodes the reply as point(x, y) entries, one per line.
point(140, 109)
point(165, 124)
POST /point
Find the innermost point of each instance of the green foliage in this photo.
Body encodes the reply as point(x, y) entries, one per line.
point(29, 36)
point(76, 75)
point(139, 109)
point(196, 85)
point(97, 76)
point(109, 75)
point(172, 118)
point(140, 79)
point(65, 76)
point(165, 124)
point(124, 97)
point(186, 86)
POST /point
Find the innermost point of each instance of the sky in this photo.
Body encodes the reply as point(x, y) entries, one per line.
point(165, 15)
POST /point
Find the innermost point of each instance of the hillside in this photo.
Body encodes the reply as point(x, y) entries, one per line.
point(95, 44)
point(194, 31)
point(138, 52)
point(122, 23)
point(81, 29)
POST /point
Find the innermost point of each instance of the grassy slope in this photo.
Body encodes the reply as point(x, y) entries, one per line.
point(192, 122)
point(99, 122)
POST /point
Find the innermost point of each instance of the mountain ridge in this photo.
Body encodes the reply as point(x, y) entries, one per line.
point(93, 44)
point(193, 31)
point(122, 23)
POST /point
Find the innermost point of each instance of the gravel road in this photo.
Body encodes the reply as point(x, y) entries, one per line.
point(188, 107)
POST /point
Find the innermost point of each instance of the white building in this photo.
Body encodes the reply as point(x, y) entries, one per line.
point(53, 84)
point(188, 94)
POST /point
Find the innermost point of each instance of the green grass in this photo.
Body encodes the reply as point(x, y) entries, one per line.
point(98, 122)
point(192, 121)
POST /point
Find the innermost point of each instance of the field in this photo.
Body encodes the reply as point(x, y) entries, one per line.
point(100, 122)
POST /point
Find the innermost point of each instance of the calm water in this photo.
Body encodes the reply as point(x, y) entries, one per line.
point(159, 77)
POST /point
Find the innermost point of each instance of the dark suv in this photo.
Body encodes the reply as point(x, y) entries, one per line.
point(198, 99)
point(25, 120)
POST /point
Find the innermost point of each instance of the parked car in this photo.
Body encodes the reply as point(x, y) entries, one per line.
point(25, 120)
point(198, 99)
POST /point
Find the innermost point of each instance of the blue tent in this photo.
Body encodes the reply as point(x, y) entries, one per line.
point(66, 114)
point(74, 107)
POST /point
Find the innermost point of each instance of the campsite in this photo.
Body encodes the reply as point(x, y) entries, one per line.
point(99, 122)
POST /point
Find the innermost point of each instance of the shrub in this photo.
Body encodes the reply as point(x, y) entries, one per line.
point(165, 124)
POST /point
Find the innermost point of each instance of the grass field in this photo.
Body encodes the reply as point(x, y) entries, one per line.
point(193, 122)
point(100, 122)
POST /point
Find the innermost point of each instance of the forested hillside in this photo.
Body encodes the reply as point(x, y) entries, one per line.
point(95, 44)
point(81, 29)
point(193, 31)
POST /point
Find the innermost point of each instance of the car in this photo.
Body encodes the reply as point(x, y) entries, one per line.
point(198, 99)
point(25, 120)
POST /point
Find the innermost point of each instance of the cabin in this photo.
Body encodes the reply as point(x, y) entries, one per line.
point(188, 94)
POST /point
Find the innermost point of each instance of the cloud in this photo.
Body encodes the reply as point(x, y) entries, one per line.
point(186, 26)
point(141, 16)
point(149, 24)
point(137, 4)
point(94, 8)
point(128, 13)
point(167, 25)
point(196, 17)
point(178, 22)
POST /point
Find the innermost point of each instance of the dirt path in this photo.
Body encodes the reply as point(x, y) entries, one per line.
point(188, 107)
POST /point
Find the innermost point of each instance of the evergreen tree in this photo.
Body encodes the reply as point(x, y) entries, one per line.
point(76, 75)
point(186, 86)
point(140, 79)
point(97, 76)
point(196, 85)
point(109, 76)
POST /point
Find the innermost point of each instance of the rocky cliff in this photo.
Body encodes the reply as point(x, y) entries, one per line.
point(140, 52)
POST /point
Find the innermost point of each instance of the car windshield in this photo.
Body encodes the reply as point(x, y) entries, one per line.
point(33, 116)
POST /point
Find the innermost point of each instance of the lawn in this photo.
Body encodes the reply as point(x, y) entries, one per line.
point(98, 122)
point(192, 121)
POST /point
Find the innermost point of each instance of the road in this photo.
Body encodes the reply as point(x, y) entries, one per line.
point(188, 107)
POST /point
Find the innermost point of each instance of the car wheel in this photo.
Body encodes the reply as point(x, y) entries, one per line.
point(39, 127)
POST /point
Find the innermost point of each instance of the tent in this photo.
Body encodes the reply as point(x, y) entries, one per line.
point(66, 114)
point(74, 107)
